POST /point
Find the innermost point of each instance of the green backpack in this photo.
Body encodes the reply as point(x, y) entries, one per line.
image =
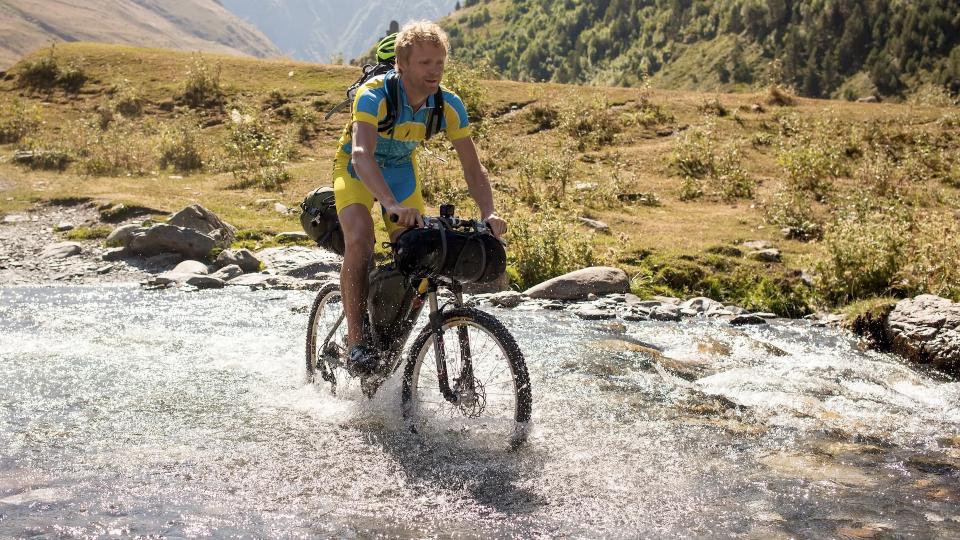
point(319, 219)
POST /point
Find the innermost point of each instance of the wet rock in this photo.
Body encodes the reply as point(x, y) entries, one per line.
point(926, 329)
point(580, 283)
point(299, 261)
point(105, 269)
point(228, 272)
point(165, 238)
point(765, 255)
point(274, 282)
point(554, 306)
point(594, 314)
point(61, 250)
point(595, 224)
point(241, 258)
point(506, 299)
point(766, 315)
point(63, 226)
point(191, 267)
point(701, 304)
point(120, 236)
point(686, 312)
point(665, 312)
point(592, 297)
point(667, 300)
point(636, 315)
point(713, 346)
point(199, 219)
point(204, 282)
point(747, 318)
point(162, 262)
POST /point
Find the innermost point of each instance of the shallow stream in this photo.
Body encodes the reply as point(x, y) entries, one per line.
point(126, 412)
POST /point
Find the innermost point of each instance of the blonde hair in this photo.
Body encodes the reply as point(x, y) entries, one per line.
point(420, 32)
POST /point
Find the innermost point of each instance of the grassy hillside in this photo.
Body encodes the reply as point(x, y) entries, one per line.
point(205, 25)
point(839, 48)
point(862, 199)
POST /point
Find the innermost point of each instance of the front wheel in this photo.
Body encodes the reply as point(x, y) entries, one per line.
point(326, 340)
point(487, 392)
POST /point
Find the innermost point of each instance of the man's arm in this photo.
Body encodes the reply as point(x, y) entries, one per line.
point(364, 145)
point(479, 184)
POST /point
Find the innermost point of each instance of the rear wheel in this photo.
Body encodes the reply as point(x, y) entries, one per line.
point(326, 340)
point(487, 377)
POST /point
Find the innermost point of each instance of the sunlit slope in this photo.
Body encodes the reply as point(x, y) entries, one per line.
point(27, 25)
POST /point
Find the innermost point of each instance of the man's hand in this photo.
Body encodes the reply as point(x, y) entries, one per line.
point(497, 225)
point(406, 217)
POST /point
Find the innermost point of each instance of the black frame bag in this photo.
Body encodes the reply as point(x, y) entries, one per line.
point(465, 257)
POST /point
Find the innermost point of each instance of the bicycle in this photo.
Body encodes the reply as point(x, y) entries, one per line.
point(478, 381)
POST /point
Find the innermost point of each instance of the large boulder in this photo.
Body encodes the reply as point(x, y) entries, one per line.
point(166, 238)
point(206, 222)
point(243, 258)
point(579, 284)
point(120, 236)
point(299, 261)
point(926, 329)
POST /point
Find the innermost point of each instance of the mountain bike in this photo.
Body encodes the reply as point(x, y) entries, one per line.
point(463, 372)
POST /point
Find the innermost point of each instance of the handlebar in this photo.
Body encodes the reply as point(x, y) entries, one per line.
point(451, 222)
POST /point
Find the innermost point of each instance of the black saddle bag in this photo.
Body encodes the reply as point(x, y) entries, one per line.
point(464, 257)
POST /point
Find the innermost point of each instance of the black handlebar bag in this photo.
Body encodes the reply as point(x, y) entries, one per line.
point(467, 257)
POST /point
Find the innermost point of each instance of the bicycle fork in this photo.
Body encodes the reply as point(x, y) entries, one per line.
point(464, 391)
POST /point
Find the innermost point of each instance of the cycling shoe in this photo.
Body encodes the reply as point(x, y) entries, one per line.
point(362, 360)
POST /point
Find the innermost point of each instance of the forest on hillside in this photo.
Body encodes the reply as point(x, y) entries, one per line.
point(819, 48)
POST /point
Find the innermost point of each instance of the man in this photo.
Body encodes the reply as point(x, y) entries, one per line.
point(382, 166)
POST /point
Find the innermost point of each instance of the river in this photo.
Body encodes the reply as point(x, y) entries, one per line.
point(126, 412)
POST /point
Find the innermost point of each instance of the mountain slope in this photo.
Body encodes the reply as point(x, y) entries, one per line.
point(319, 30)
point(27, 25)
point(825, 47)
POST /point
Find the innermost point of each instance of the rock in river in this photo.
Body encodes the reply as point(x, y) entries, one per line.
point(577, 285)
point(926, 329)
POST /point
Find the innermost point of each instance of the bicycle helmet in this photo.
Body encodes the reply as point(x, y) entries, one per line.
point(386, 48)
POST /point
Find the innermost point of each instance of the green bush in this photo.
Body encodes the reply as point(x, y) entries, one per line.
point(256, 155)
point(812, 167)
point(542, 116)
point(17, 121)
point(89, 233)
point(124, 147)
point(464, 81)
point(127, 99)
point(865, 251)
point(201, 88)
point(709, 170)
point(46, 74)
point(541, 246)
point(591, 124)
point(180, 148)
point(793, 211)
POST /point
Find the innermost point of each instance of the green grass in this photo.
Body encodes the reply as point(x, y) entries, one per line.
point(88, 233)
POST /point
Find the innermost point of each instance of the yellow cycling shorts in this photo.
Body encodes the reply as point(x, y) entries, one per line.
point(402, 180)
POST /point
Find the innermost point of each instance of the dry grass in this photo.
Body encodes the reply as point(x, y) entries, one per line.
point(541, 151)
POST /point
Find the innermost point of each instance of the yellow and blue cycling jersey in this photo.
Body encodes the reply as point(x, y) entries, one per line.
point(396, 151)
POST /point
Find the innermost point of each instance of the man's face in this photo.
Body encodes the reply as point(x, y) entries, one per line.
point(423, 68)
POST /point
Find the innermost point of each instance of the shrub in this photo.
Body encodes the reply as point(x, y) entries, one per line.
point(707, 170)
point(17, 121)
point(255, 154)
point(591, 124)
point(201, 88)
point(464, 81)
point(39, 74)
point(812, 167)
point(127, 99)
point(712, 106)
point(793, 212)
point(540, 246)
point(180, 148)
point(865, 252)
point(542, 116)
point(122, 148)
point(779, 96)
point(442, 181)
point(72, 78)
point(46, 74)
